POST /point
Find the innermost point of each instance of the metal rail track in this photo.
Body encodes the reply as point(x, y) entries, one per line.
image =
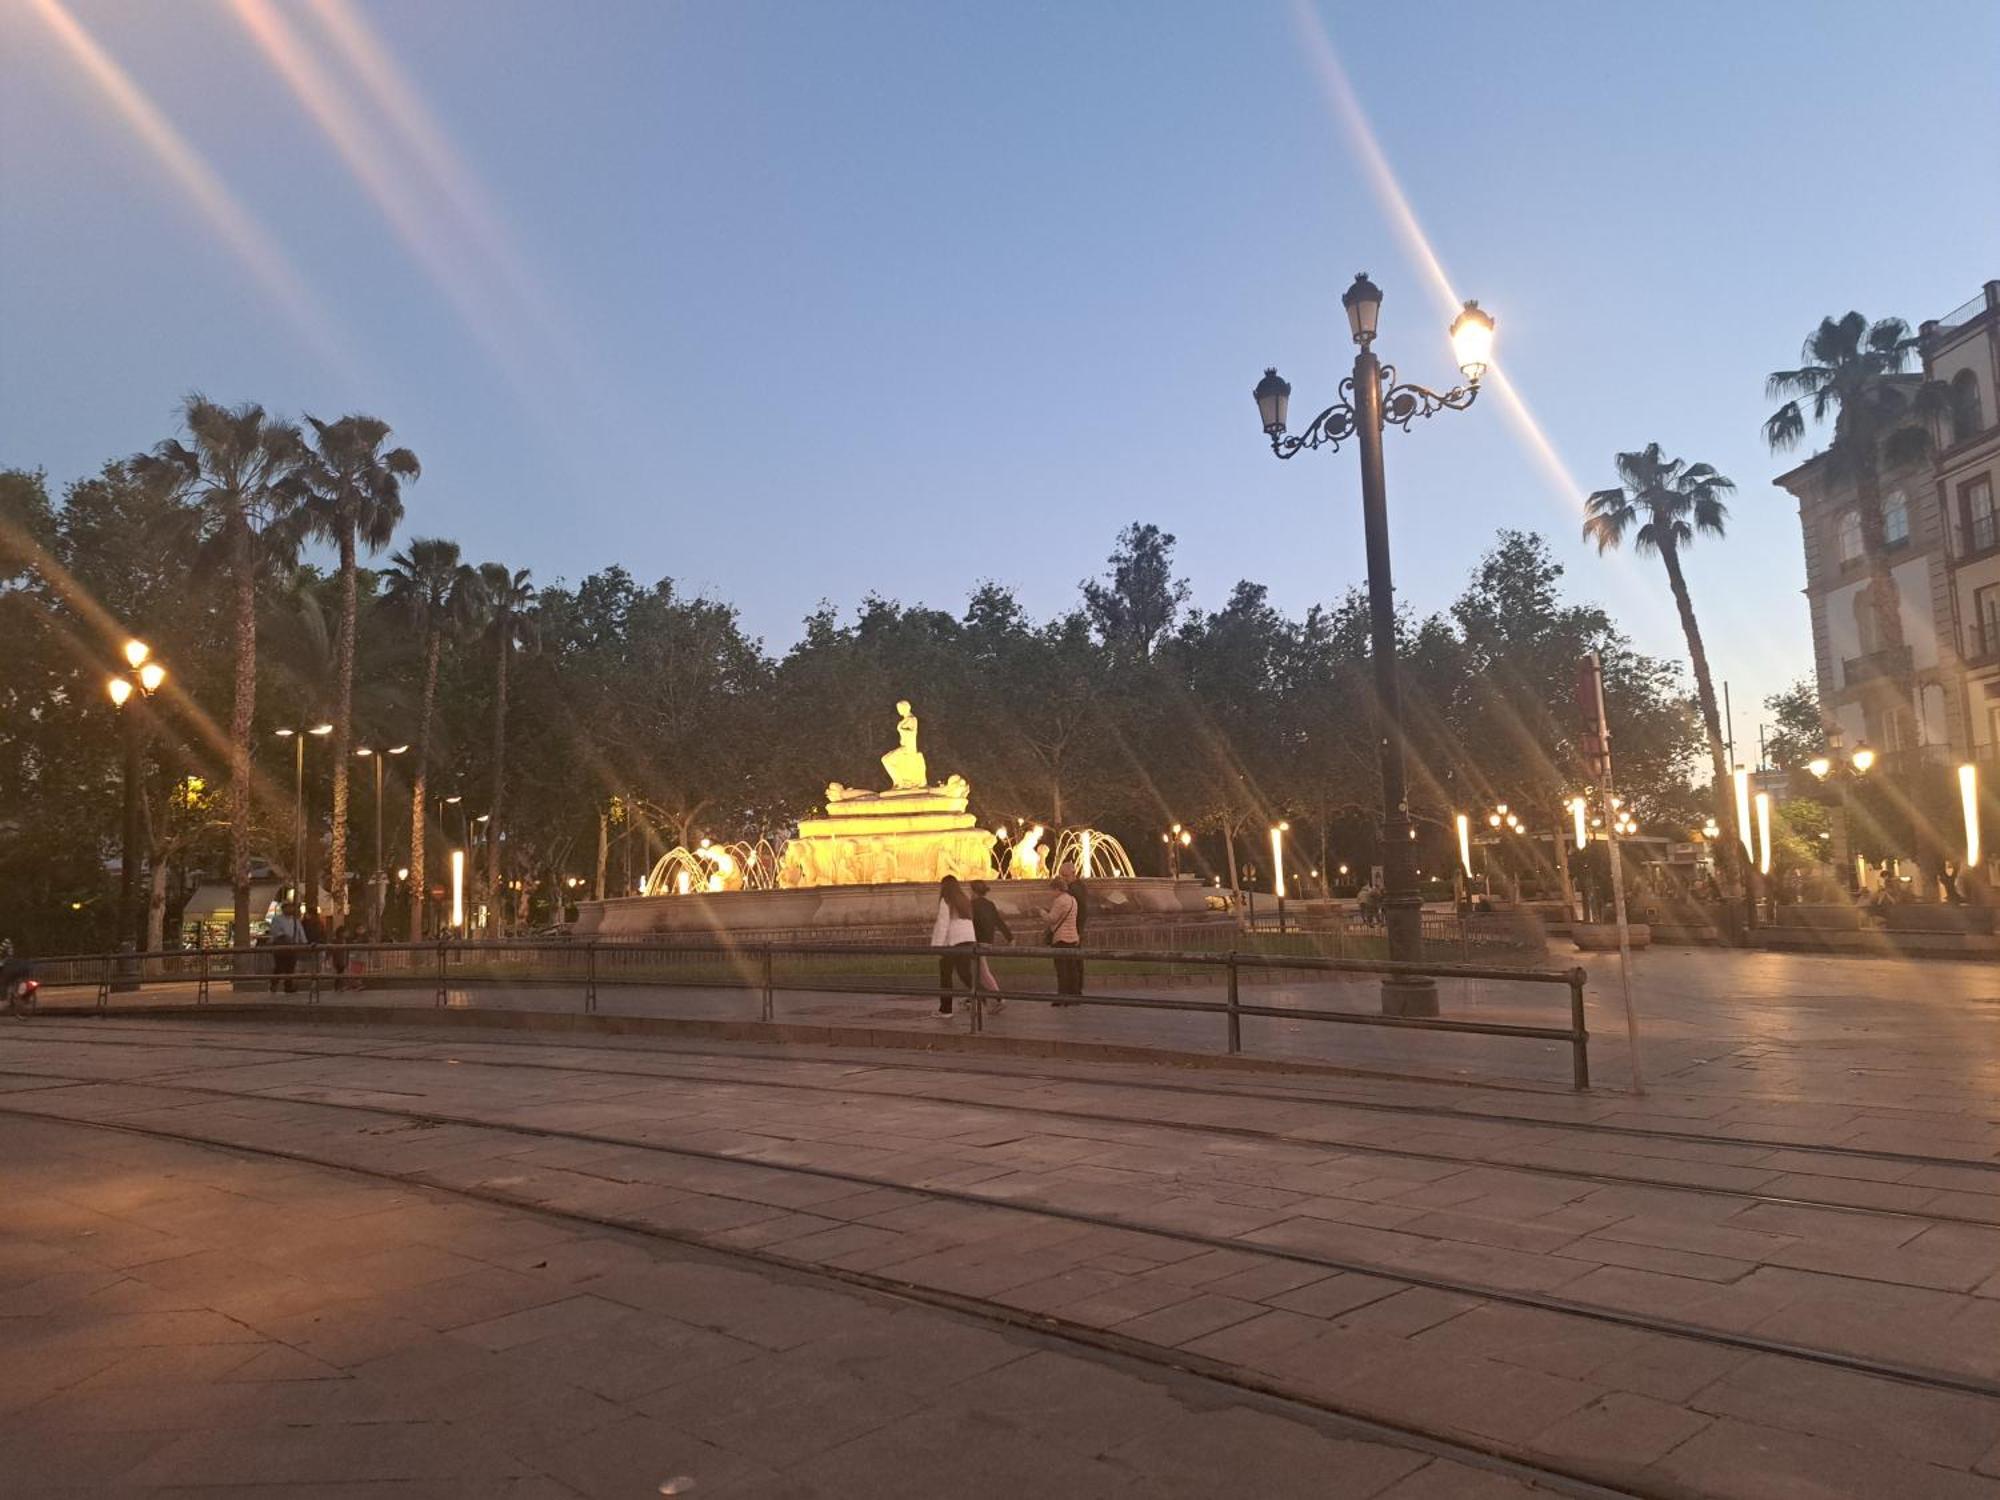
point(1237, 1132)
point(1933, 1379)
point(1572, 1479)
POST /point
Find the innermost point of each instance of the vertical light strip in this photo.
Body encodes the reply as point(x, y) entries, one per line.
point(1089, 837)
point(1968, 796)
point(1278, 860)
point(1465, 843)
point(1577, 809)
point(1763, 833)
point(1742, 779)
point(458, 890)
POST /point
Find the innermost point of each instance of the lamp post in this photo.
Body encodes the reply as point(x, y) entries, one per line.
point(140, 677)
point(379, 881)
point(1843, 770)
point(309, 899)
point(1372, 397)
point(1175, 839)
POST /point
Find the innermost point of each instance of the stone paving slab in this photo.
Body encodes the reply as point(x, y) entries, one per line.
point(1367, 1342)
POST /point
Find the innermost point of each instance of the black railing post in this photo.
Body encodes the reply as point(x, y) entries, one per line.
point(1235, 1015)
point(440, 974)
point(201, 986)
point(767, 1012)
point(1579, 1047)
point(590, 978)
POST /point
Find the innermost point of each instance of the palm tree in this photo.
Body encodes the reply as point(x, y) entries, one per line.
point(1853, 371)
point(239, 476)
point(1665, 503)
point(353, 498)
point(433, 591)
point(504, 599)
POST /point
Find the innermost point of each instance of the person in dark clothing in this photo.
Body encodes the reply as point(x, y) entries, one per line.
point(988, 926)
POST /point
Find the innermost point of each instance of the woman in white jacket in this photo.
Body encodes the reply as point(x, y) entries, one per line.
point(952, 929)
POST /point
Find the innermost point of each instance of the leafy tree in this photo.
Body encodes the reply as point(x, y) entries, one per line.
point(239, 473)
point(352, 488)
point(1136, 603)
point(1801, 732)
point(1663, 503)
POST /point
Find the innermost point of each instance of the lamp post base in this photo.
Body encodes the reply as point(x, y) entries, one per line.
point(1409, 995)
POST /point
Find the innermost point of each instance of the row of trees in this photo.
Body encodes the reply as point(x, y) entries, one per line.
point(593, 724)
point(584, 728)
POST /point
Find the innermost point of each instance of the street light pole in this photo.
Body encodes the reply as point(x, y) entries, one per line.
point(378, 879)
point(140, 678)
point(1373, 399)
point(308, 899)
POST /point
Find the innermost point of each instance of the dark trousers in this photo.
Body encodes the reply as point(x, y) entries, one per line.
point(1069, 972)
point(284, 963)
point(957, 963)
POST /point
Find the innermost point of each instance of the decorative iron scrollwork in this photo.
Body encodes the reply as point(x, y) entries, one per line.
point(1401, 405)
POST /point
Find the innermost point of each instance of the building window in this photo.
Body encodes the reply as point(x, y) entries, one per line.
point(1975, 505)
point(1895, 520)
point(1965, 413)
point(1848, 536)
point(1986, 620)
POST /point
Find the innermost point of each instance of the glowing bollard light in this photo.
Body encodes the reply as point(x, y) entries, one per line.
point(1278, 860)
point(1464, 843)
point(1742, 779)
point(1968, 796)
point(458, 890)
point(1763, 833)
point(1581, 824)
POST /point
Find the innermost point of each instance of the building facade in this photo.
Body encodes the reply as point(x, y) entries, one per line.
point(1915, 671)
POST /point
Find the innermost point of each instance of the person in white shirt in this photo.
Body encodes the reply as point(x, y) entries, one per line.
point(286, 933)
point(1062, 926)
point(952, 929)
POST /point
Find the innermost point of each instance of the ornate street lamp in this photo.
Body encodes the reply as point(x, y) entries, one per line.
point(1370, 398)
point(139, 678)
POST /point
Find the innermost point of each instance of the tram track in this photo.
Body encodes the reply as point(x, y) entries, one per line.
point(1853, 1362)
point(1229, 1131)
point(1542, 1472)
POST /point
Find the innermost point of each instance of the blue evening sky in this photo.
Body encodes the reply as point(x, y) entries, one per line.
point(801, 301)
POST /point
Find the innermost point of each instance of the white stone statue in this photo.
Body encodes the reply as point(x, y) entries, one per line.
point(905, 763)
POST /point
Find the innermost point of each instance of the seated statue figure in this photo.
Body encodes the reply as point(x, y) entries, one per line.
point(905, 763)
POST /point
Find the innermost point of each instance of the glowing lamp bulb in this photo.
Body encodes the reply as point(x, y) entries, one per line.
point(137, 651)
point(151, 675)
point(120, 688)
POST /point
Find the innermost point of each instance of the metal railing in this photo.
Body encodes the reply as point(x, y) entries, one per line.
point(884, 970)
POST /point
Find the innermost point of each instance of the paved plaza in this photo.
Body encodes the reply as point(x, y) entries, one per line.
point(281, 1256)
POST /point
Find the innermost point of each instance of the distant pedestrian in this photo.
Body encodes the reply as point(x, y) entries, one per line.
point(953, 929)
point(1063, 933)
point(988, 926)
point(286, 935)
point(1079, 891)
point(343, 934)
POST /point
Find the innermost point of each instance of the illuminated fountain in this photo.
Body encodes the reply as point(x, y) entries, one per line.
point(1097, 856)
point(740, 866)
point(914, 831)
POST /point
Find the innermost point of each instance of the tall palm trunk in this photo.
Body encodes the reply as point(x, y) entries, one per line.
point(1711, 719)
point(499, 775)
point(241, 713)
point(420, 881)
point(343, 723)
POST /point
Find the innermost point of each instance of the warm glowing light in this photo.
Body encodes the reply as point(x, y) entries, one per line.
point(120, 689)
point(1278, 858)
point(1186, 838)
point(1493, 820)
point(1343, 869)
point(1088, 840)
point(1763, 833)
point(1464, 841)
point(1820, 766)
point(1863, 757)
point(1968, 796)
point(403, 872)
point(1501, 809)
point(363, 750)
point(683, 882)
point(1472, 340)
point(320, 729)
point(1580, 824)
point(284, 734)
point(1742, 779)
point(137, 651)
point(458, 888)
point(397, 749)
point(151, 676)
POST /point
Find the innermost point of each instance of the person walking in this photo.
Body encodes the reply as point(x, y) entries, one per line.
point(343, 934)
point(1063, 933)
point(953, 929)
point(287, 935)
point(987, 926)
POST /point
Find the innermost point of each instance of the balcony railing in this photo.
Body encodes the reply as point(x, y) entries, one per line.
point(1891, 662)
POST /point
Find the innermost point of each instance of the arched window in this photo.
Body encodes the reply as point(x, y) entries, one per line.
point(1847, 536)
point(1895, 519)
point(1966, 417)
